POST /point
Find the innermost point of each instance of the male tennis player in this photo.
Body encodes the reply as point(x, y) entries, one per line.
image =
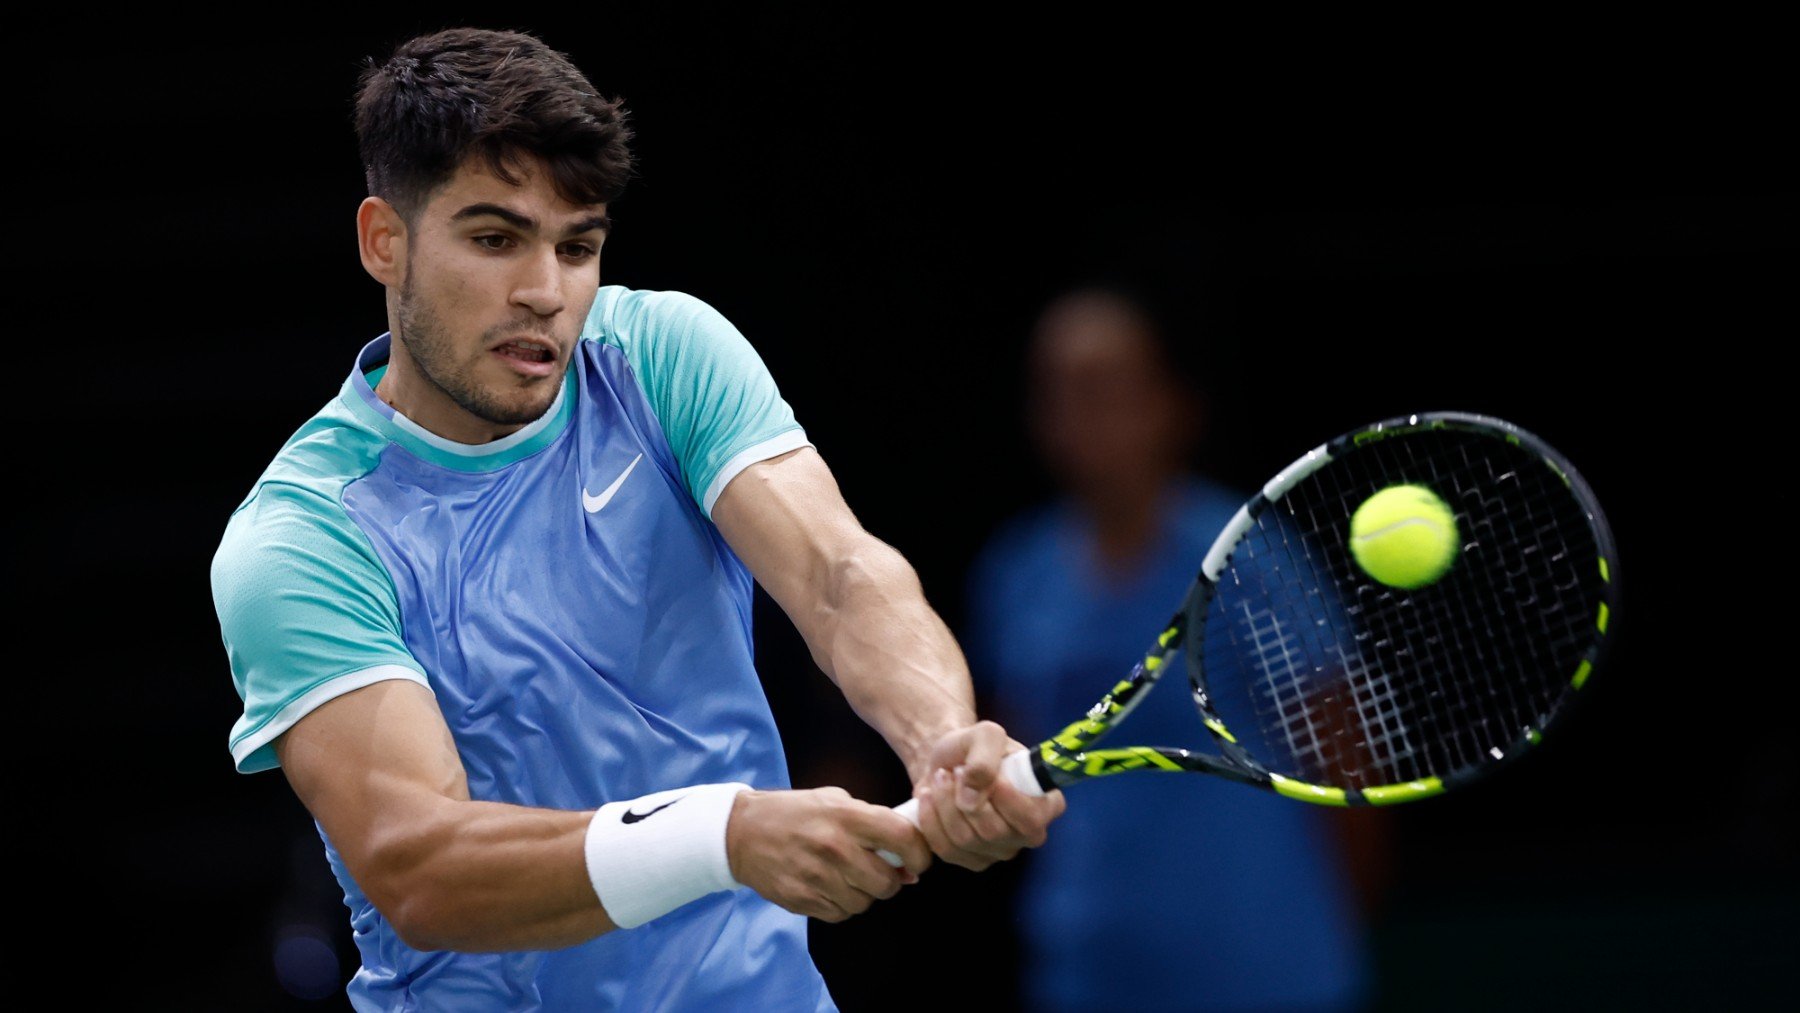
point(490, 608)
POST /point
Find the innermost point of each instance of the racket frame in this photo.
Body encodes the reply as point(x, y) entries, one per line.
point(1072, 755)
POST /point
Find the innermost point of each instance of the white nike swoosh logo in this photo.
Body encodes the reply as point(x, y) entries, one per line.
point(594, 503)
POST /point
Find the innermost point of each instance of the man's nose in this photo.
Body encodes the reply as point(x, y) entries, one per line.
point(539, 283)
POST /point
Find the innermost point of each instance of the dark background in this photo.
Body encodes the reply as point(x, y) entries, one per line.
point(1587, 231)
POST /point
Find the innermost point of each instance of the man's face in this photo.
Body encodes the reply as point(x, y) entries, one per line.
point(1103, 411)
point(498, 282)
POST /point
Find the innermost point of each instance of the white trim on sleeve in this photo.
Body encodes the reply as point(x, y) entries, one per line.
point(307, 702)
point(774, 446)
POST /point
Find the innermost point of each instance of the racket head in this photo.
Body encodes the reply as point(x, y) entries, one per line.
point(1331, 687)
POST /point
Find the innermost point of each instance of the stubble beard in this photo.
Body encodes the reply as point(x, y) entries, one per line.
point(430, 348)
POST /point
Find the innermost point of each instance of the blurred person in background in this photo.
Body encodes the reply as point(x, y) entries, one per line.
point(1160, 892)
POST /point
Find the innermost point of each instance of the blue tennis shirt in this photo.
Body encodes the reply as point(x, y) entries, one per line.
point(565, 595)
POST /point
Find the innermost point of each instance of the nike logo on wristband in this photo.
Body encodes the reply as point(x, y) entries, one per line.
point(631, 817)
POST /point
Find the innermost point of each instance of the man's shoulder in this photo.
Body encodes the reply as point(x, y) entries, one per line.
point(1198, 495)
point(1203, 507)
point(1028, 523)
point(621, 316)
point(292, 540)
point(1028, 534)
point(309, 473)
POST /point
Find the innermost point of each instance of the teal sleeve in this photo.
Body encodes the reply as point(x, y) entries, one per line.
point(711, 392)
point(307, 612)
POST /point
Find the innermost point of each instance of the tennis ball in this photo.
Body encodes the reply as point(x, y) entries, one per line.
point(1404, 536)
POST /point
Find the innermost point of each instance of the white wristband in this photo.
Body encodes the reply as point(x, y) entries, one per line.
point(650, 855)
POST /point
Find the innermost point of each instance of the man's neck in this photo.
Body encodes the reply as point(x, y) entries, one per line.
point(1125, 524)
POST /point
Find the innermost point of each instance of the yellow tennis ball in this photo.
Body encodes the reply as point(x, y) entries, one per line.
point(1404, 536)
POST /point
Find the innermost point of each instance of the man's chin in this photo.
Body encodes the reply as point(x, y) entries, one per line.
point(516, 412)
point(524, 415)
point(509, 404)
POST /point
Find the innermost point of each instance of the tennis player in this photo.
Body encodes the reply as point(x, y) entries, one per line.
point(489, 608)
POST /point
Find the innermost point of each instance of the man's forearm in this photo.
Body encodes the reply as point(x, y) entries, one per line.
point(486, 876)
point(891, 654)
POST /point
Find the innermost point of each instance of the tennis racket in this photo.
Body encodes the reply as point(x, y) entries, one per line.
point(1322, 684)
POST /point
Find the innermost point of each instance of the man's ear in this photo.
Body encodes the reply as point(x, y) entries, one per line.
point(381, 240)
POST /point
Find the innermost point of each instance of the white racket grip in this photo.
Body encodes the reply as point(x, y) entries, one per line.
point(1015, 769)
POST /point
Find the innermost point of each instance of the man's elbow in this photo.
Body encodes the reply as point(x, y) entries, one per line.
point(430, 922)
point(420, 931)
point(427, 918)
point(418, 905)
point(872, 568)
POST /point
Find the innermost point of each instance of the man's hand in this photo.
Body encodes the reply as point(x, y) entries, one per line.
point(971, 816)
point(810, 851)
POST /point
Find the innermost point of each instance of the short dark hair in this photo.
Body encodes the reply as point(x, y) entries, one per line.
point(443, 97)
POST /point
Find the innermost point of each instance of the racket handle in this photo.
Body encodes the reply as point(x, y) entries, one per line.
point(1015, 769)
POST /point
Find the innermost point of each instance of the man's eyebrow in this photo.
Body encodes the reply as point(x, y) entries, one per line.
point(525, 223)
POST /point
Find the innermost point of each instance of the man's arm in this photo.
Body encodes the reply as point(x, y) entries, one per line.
point(379, 770)
point(860, 607)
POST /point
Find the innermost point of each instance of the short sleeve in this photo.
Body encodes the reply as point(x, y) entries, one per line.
point(307, 612)
point(711, 392)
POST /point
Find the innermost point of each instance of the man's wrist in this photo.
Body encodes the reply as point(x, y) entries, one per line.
point(650, 855)
point(917, 759)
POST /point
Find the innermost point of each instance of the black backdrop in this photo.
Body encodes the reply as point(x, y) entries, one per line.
point(1589, 232)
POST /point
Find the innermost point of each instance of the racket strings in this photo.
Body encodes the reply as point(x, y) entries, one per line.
point(1344, 681)
point(1472, 488)
point(1483, 703)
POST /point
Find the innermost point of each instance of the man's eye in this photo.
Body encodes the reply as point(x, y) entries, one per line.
point(497, 240)
point(581, 252)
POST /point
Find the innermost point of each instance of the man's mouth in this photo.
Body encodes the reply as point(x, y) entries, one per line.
point(527, 350)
